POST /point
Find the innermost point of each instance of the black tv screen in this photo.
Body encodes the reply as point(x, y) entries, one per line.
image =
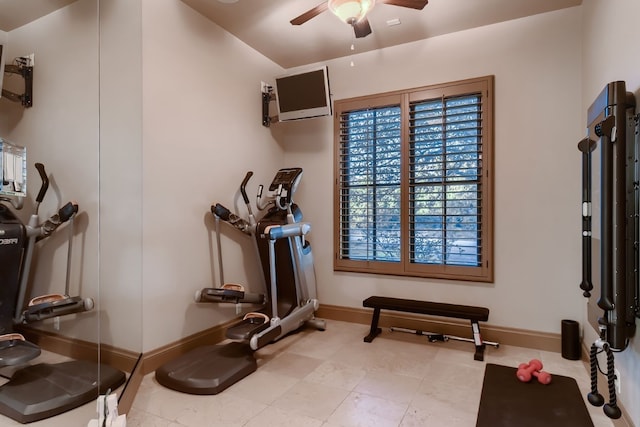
point(303, 95)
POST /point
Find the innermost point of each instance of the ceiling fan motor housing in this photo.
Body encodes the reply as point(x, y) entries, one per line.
point(351, 11)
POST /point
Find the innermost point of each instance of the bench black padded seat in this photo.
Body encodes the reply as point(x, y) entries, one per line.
point(471, 313)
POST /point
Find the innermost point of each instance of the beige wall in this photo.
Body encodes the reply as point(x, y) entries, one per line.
point(201, 132)
point(610, 53)
point(536, 63)
point(121, 302)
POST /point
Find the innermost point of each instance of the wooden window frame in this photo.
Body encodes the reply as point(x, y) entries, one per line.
point(484, 86)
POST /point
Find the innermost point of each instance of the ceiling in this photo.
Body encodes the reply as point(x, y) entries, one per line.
point(264, 24)
point(16, 13)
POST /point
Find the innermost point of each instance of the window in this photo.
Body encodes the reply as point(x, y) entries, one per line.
point(413, 181)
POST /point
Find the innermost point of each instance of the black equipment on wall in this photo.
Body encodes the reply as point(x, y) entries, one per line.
point(610, 167)
point(23, 68)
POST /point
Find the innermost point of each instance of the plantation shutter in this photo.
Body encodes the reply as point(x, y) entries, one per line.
point(370, 184)
point(413, 183)
point(445, 189)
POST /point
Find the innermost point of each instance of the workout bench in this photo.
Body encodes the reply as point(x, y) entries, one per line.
point(474, 314)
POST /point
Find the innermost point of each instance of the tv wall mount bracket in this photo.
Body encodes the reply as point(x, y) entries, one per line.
point(21, 68)
point(267, 97)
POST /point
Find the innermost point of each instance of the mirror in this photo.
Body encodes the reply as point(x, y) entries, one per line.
point(62, 131)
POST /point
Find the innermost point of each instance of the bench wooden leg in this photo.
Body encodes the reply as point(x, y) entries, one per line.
point(375, 331)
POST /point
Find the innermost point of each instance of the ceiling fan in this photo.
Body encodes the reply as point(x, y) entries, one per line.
point(354, 12)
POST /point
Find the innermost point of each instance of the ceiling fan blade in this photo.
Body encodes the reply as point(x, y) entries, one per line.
point(413, 4)
point(362, 28)
point(311, 13)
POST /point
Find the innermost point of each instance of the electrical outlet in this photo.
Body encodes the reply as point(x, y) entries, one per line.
point(264, 87)
point(56, 323)
point(32, 59)
point(617, 381)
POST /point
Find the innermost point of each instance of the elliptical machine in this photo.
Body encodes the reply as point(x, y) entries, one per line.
point(16, 253)
point(50, 305)
point(42, 390)
point(289, 302)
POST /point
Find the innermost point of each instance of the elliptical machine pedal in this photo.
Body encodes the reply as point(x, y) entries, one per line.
point(14, 349)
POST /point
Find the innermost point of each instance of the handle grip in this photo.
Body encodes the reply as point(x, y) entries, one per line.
point(45, 182)
point(275, 232)
point(67, 211)
point(221, 212)
point(233, 219)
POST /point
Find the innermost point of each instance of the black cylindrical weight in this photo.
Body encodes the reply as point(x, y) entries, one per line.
point(571, 340)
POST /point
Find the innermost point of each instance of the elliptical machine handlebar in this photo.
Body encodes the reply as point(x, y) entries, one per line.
point(243, 187)
point(63, 215)
point(243, 191)
point(45, 183)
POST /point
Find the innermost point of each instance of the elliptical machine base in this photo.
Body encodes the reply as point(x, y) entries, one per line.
point(44, 390)
point(194, 373)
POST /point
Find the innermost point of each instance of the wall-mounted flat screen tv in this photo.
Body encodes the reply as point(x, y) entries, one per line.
point(303, 95)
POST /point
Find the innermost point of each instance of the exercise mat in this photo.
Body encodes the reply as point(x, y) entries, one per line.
point(508, 402)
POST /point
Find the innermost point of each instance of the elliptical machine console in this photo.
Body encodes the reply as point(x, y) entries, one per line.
point(283, 186)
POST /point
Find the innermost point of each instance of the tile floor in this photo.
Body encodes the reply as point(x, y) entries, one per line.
point(333, 378)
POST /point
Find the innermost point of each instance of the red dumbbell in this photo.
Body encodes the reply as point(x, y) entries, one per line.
point(526, 371)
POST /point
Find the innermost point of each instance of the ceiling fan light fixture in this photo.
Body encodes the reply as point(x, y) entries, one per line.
point(350, 11)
